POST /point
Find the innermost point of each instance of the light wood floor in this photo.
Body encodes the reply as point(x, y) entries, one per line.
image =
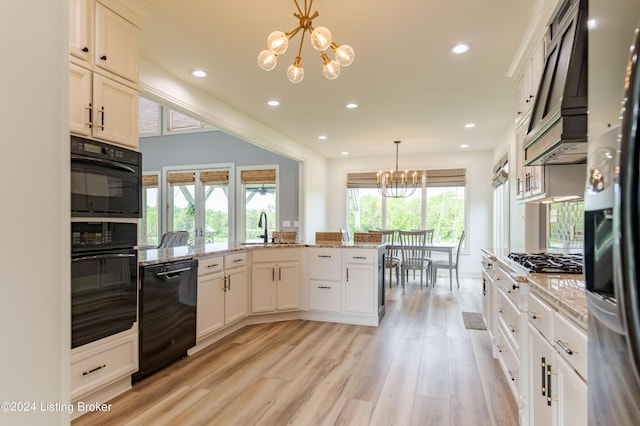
point(419, 367)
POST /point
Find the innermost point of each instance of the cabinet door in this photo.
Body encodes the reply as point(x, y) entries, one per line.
point(79, 100)
point(263, 281)
point(210, 312)
point(358, 289)
point(80, 28)
point(116, 45)
point(571, 395)
point(235, 298)
point(115, 112)
point(541, 362)
point(287, 288)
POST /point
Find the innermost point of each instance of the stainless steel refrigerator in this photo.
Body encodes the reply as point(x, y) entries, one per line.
point(612, 262)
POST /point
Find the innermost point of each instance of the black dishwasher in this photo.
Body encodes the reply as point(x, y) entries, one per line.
point(166, 315)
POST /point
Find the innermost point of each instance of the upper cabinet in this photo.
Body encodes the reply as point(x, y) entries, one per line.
point(527, 83)
point(103, 38)
point(103, 72)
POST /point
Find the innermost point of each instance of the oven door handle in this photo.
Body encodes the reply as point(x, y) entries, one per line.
point(172, 274)
point(102, 256)
point(109, 163)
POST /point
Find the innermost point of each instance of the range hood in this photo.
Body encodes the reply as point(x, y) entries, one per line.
point(557, 132)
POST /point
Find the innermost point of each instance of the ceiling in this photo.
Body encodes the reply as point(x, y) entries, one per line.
point(406, 83)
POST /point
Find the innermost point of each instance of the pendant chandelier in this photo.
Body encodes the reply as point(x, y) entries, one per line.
point(396, 184)
point(321, 40)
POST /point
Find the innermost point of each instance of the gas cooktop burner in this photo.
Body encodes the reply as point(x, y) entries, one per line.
point(549, 262)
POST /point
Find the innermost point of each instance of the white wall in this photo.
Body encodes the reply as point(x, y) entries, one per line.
point(479, 192)
point(35, 249)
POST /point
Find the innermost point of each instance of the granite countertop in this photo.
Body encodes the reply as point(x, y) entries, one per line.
point(149, 256)
point(566, 292)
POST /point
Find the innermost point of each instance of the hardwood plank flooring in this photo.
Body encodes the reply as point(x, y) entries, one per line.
point(419, 367)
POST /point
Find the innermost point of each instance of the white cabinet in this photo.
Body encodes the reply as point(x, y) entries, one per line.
point(102, 108)
point(529, 179)
point(528, 81)
point(116, 44)
point(222, 292)
point(211, 292)
point(103, 362)
point(489, 314)
point(557, 367)
point(275, 280)
point(325, 280)
point(100, 37)
point(235, 287)
point(359, 278)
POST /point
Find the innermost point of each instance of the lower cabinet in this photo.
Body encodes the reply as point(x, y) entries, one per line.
point(359, 281)
point(102, 364)
point(275, 276)
point(222, 292)
point(557, 368)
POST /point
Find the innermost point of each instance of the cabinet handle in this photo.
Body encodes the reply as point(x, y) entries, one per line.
point(564, 346)
point(101, 111)
point(347, 274)
point(543, 365)
point(103, 57)
point(359, 257)
point(90, 109)
point(324, 255)
point(213, 266)
point(85, 49)
point(229, 282)
point(516, 286)
point(499, 310)
point(273, 274)
point(511, 376)
point(93, 370)
point(532, 314)
point(513, 330)
point(279, 273)
point(237, 260)
point(324, 286)
point(225, 283)
point(549, 385)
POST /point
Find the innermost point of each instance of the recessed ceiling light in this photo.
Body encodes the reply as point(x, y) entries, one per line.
point(345, 153)
point(460, 48)
point(322, 137)
point(351, 105)
point(464, 146)
point(198, 73)
point(273, 103)
point(469, 125)
point(591, 24)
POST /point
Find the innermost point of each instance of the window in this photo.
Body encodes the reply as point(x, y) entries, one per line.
point(439, 204)
point(152, 116)
point(199, 202)
point(260, 195)
point(149, 229)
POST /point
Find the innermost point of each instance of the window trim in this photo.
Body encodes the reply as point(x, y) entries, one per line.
point(240, 196)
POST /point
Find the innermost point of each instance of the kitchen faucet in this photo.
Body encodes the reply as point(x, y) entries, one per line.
point(265, 236)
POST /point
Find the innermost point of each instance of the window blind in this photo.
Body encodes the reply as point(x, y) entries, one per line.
point(181, 178)
point(442, 177)
point(258, 176)
point(217, 177)
point(150, 181)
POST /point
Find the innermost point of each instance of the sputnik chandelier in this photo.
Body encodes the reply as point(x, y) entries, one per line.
point(321, 39)
point(396, 184)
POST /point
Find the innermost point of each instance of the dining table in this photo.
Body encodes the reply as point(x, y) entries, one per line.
point(440, 248)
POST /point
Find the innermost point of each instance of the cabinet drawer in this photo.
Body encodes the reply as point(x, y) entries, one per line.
point(235, 260)
point(275, 254)
point(324, 296)
point(353, 256)
point(325, 265)
point(210, 265)
point(103, 364)
point(510, 360)
point(572, 344)
point(540, 316)
point(509, 319)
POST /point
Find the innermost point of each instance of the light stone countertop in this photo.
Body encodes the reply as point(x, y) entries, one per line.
point(565, 292)
point(150, 256)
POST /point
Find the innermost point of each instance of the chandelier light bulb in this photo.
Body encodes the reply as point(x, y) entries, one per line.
point(331, 70)
point(295, 72)
point(345, 55)
point(321, 38)
point(278, 42)
point(267, 60)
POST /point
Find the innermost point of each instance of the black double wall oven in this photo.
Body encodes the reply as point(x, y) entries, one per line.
point(105, 205)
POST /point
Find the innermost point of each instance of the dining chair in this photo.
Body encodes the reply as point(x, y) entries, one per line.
point(413, 258)
point(444, 264)
point(429, 241)
point(174, 239)
point(391, 260)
